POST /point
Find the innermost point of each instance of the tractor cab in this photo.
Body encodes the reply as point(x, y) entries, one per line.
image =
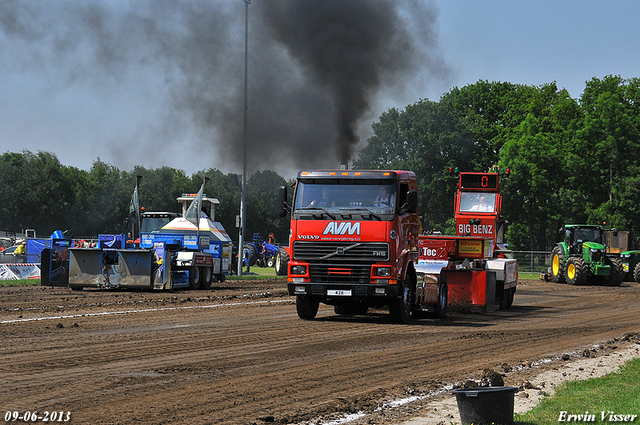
point(576, 235)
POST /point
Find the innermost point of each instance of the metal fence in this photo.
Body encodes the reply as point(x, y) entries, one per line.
point(533, 261)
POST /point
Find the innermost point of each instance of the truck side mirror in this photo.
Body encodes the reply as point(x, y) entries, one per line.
point(412, 201)
point(283, 208)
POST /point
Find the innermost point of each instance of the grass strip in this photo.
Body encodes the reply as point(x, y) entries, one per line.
point(613, 398)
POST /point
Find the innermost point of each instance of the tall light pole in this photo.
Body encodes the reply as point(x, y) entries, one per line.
point(243, 204)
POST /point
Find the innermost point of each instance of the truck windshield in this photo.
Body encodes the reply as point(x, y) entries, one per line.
point(153, 224)
point(335, 196)
point(477, 202)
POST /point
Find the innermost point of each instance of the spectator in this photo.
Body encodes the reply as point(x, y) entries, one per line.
point(22, 249)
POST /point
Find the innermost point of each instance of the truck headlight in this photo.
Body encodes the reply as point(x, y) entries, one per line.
point(300, 270)
point(383, 271)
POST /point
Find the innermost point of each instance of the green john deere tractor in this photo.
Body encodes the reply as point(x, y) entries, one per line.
point(621, 242)
point(582, 258)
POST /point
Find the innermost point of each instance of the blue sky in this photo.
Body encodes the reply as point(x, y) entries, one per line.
point(536, 42)
point(127, 109)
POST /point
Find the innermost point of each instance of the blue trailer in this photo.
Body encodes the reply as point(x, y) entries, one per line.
point(172, 253)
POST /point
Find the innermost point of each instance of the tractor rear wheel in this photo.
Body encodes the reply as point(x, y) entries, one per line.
point(557, 265)
point(636, 273)
point(617, 271)
point(254, 254)
point(577, 271)
point(282, 261)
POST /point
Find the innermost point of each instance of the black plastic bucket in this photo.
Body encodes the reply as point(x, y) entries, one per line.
point(486, 405)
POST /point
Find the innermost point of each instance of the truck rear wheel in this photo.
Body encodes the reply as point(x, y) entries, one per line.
point(557, 265)
point(577, 272)
point(307, 307)
point(194, 277)
point(206, 274)
point(443, 298)
point(512, 293)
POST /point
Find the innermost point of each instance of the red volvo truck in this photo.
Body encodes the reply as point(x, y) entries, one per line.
point(353, 244)
point(478, 268)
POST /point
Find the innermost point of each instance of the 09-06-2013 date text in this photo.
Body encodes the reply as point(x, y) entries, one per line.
point(54, 416)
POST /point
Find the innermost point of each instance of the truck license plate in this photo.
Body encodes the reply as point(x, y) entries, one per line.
point(339, 292)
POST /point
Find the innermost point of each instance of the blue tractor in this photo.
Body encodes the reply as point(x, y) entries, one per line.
point(263, 253)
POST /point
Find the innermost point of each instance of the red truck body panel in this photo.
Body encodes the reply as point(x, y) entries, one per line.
point(475, 278)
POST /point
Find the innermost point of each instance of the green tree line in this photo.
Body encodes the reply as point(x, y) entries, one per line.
point(40, 193)
point(572, 161)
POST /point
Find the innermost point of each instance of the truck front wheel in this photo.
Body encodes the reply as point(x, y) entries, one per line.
point(400, 309)
point(307, 307)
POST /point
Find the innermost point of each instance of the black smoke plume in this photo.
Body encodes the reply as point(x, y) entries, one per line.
point(316, 68)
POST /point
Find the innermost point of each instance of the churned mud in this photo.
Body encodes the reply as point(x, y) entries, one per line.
point(238, 354)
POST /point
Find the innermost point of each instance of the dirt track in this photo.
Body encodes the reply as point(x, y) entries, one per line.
point(239, 353)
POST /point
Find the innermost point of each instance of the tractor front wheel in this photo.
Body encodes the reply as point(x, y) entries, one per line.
point(577, 271)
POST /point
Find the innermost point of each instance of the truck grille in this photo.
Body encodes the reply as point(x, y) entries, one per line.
point(339, 273)
point(339, 252)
